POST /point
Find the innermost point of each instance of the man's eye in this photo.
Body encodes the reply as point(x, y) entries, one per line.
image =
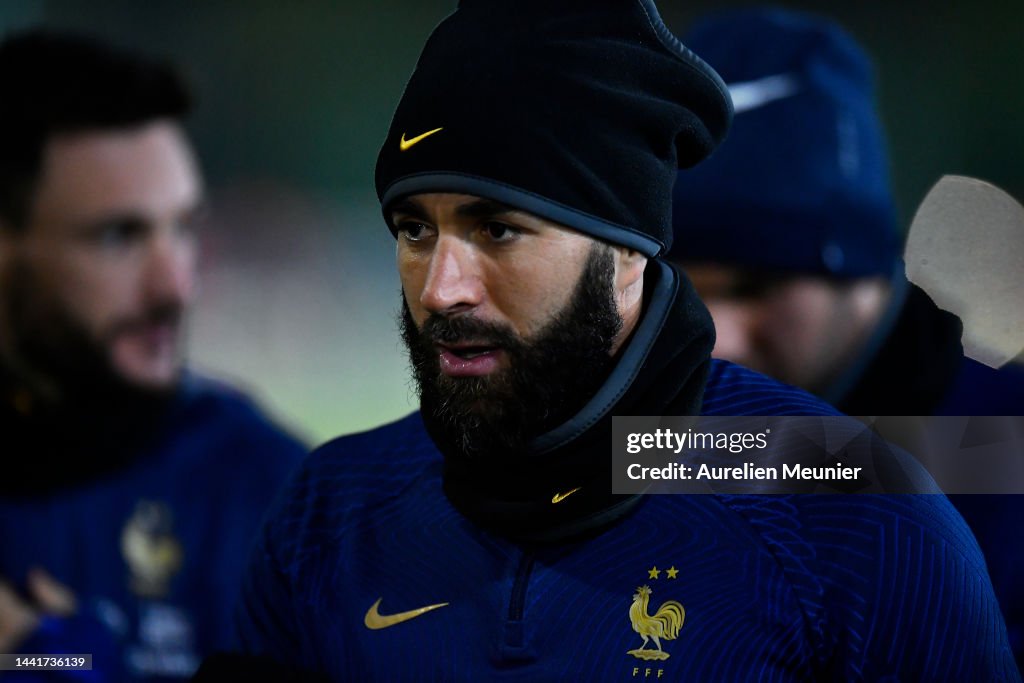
point(500, 232)
point(413, 231)
point(120, 233)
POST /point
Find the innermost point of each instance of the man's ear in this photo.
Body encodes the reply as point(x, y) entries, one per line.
point(629, 268)
point(629, 290)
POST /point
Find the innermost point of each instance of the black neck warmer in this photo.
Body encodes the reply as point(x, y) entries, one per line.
point(662, 370)
point(90, 432)
point(915, 365)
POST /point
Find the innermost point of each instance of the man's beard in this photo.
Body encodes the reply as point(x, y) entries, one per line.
point(549, 377)
point(82, 418)
point(52, 353)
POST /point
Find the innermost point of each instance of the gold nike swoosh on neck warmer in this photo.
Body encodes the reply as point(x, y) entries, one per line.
point(559, 497)
point(404, 144)
point(374, 620)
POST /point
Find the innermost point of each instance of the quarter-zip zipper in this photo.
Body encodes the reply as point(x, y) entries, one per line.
point(517, 602)
point(514, 639)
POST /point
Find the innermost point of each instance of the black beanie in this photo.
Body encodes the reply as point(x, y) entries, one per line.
point(577, 111)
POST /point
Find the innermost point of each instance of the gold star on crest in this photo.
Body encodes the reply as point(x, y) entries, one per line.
point(653, 572)
point(672, 572)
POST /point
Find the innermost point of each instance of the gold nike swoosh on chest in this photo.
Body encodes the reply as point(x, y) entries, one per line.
point(374, 620)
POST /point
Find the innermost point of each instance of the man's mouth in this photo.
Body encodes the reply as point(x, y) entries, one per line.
point(159, 334)
point(469, 351)
point(469, 359)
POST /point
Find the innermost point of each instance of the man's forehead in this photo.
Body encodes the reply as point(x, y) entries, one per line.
point(712, 279)
point(148, 169)
point(461, 204)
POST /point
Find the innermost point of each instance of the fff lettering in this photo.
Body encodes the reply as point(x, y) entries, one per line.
point(648, 672)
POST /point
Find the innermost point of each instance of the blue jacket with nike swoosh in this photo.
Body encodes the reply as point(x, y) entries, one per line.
point(382, 561)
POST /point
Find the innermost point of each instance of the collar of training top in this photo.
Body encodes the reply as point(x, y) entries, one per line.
point(577, 111)
point(662, 370)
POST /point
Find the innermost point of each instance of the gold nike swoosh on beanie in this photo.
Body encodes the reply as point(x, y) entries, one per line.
point(404, 144)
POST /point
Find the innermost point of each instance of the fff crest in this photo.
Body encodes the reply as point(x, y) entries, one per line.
point(663, 625)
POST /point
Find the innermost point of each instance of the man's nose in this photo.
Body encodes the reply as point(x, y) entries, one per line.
point(454, 282)
point(170, 274)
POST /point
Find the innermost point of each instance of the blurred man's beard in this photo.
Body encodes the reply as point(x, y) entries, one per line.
point(548, 378)
point(54, 355)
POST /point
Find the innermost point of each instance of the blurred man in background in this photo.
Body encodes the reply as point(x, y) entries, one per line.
point(789, 234)
point(130, 488)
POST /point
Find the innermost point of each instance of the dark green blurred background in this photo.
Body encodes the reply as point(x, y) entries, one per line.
point(299, 288)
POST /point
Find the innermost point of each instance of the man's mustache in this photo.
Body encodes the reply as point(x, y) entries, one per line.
point(444, 330)
point(169, 314)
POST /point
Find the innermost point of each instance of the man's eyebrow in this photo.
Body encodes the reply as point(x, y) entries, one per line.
point(407, 207)
point(100, 222)
point(193, 214)
point(482, 208)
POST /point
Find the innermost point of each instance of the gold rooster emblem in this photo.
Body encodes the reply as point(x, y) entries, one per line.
point(150, 549)
point(665, 623)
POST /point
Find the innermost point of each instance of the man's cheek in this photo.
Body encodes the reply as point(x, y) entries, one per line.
point(418, 314)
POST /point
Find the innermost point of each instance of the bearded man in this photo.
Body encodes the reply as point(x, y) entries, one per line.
point(527, 176)
point(131, 488)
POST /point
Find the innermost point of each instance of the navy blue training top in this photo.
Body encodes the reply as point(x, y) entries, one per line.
point(154, 551)
point(365, 571)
